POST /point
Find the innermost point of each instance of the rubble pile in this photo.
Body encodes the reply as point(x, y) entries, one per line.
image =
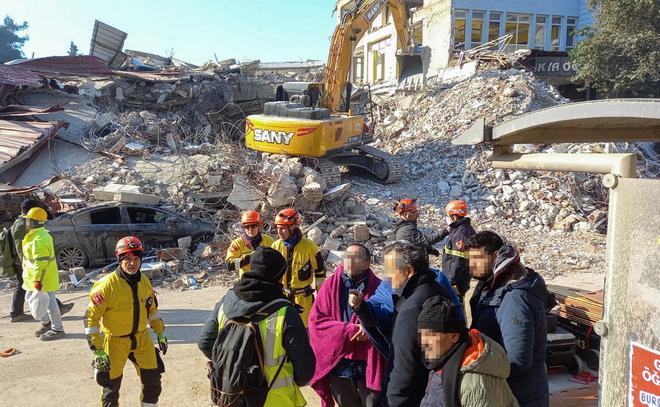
point(420, 127)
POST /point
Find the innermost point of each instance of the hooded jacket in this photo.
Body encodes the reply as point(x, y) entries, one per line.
point(510, 308)
point(483, 373)
point(408, 374)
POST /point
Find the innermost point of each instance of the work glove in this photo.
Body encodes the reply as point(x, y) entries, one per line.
point(162, 343)
point(101, 361)
point(37, 285)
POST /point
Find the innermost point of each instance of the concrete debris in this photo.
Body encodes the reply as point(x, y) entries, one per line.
point(124, 193)
point(243, 195)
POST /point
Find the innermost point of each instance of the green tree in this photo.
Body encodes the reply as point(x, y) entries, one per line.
point(621, 53)
point(73, 50)
point(11, 44)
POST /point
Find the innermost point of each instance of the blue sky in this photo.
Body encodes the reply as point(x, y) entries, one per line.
point(269, 30)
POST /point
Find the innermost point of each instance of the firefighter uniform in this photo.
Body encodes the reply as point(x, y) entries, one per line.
point(120, 308)
point(454, 258)
point(238, 249)
point(305, 272)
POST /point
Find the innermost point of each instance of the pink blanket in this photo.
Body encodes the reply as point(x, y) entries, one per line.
point(330, 337)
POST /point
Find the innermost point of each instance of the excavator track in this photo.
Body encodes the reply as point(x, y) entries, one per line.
point(396, 169)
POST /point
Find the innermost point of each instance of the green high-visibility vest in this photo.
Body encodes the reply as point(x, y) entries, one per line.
point(284, 391)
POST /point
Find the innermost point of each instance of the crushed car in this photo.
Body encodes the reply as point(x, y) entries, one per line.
point(87, 237)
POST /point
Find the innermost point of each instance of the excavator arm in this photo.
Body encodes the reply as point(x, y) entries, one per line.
point(350, 30)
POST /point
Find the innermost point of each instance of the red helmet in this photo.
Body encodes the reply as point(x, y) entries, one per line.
point(457, 207)
point(405, 205)
point(251, 218)
point(287, 217)
point(129, 244)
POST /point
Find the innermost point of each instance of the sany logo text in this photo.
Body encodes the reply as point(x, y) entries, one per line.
point(273, 136)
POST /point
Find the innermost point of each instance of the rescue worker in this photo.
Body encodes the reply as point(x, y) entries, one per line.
point(406, 229)
point(123, 302)
point(240, 249)
point(18, 231)
point(304, 264)
point(40, 271)
point(454, 258)
point(281, 328)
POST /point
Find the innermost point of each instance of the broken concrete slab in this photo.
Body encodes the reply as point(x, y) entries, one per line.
point(332, 244)
point(124, 193)
point(243, 195)
point(361, 233)
point(316, 235)
point(338, 192)
point(153, 270)
point(282, 192)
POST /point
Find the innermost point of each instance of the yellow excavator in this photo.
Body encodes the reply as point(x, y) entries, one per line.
point(314, 120)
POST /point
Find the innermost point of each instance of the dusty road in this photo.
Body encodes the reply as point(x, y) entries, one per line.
point(59, 373)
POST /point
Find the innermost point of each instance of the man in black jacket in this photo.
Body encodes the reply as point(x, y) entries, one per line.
point(509, 306)
point(454, 258)
point(257, 287)
point(407, 267)
point(406, 229)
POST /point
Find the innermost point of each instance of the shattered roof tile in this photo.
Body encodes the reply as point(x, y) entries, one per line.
point(16, 75)
point(18, 111)
point(82, 65)
point(17, 137)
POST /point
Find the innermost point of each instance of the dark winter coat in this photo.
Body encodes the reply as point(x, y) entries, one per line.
point(454, 258)
point(408, 377)
point(407, 230)
point(510, 308)
point(295, 341)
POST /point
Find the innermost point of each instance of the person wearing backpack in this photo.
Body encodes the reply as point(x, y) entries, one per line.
point(255, 325)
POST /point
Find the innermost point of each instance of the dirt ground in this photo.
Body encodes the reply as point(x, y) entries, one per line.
point(59, 372)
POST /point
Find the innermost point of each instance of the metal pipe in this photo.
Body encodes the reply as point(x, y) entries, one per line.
point(622, 165)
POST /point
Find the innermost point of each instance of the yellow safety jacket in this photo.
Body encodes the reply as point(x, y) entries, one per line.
point(237, 249)
point(117, 309)
point(39, 261)
point(284, 392)
point(305, 272)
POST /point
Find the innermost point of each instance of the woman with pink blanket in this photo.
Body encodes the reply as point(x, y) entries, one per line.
point(349, 368)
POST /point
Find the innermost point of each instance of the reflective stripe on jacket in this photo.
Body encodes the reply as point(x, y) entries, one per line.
point(113, 309)
point(304, 265)
point(238, 249)
point(39, 261)
point(284, 391)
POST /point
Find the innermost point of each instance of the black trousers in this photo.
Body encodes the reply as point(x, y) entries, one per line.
point(18, 298)
point(352, 394)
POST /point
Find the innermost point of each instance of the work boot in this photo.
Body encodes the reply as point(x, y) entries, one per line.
point(65, 308)
point(21, 318)
point(52, 335)
point(44, 328)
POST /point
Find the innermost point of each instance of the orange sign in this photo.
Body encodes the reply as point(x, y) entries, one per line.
point(644, 376)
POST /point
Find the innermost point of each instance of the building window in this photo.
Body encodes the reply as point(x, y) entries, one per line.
point(418, 33)
point(379, 66)
point(477, 28)
point(459, 28)
point(539, 37)
point(387, 15)
point(518, 26)
point(494, 22)
point(571, 22)
point(358, 68)
point(555, 34)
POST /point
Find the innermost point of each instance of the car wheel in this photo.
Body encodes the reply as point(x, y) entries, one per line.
point(70, 256)
point(202, 238)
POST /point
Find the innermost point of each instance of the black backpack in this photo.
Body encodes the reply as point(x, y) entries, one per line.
point(236, 369)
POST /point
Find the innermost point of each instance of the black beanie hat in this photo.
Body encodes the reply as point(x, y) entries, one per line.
point(440, 315)
point(266, 264)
